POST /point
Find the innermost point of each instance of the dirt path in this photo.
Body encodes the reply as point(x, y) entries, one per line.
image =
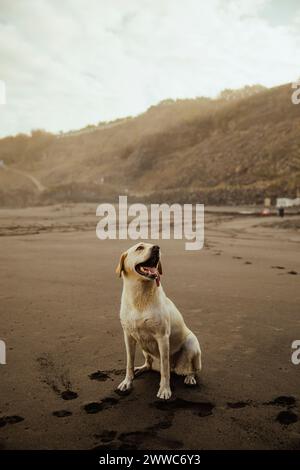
point(38, 185)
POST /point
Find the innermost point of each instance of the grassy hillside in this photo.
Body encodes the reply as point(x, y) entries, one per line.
point(236, 149)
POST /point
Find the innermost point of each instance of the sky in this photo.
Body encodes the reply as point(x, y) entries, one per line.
point(69, 63)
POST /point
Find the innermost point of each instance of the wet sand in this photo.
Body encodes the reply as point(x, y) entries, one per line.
point(65, 354)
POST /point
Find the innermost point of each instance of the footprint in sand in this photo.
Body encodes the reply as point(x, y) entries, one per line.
point(283, 400)
point(165, 424)
point(69, 395)
point(93, 407)
point(287, 417)
point(123, 393)
point(10, 420)
point(139, 440)
point(106, 435)
point(56, 377)
point(62, 413)
point(96, 407)
point(202, 409)
point(284, 417)
point(100, 376)
point(238, 404)
point(150, 436)
point(293, 272)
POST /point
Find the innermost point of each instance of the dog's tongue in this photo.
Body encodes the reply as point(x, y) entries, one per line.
point(155, 273)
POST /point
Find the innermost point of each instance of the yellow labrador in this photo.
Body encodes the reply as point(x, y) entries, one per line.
point(150, 319)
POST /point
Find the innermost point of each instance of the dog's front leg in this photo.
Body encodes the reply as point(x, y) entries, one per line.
point(164, 391)
point(130, 344)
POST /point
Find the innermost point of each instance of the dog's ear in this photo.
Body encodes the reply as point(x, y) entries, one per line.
point(120, 266)
point(159, 267)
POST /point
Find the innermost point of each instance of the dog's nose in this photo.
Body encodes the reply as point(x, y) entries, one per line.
point(155, 249)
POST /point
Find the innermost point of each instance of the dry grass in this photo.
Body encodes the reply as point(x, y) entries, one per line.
point(224, 151)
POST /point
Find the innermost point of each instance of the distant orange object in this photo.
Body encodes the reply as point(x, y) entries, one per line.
point(266, 211)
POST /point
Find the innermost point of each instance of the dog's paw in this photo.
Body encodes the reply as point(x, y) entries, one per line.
point(125, 385)
point(164, 393)
point(190, 380)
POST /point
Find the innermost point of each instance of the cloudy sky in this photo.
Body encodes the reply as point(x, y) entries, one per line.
point(69, 63)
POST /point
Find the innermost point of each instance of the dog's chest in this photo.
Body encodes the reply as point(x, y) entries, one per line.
point(143, 331)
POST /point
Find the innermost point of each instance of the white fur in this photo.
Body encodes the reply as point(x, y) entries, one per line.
point(150, 318)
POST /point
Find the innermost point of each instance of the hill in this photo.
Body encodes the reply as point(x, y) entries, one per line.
point(236, 149)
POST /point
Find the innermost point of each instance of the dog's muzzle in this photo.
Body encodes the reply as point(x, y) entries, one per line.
point(149, 268)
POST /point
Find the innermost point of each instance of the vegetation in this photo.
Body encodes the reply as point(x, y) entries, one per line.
point(236, 149)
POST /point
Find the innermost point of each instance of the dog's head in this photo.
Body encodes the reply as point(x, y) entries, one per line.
point(141, 261)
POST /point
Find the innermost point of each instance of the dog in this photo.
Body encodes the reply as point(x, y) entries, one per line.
point(150, 318)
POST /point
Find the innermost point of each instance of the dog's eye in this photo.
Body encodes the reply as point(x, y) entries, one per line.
point(139, 248)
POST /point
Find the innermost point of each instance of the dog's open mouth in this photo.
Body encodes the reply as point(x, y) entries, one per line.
point(149, 268)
